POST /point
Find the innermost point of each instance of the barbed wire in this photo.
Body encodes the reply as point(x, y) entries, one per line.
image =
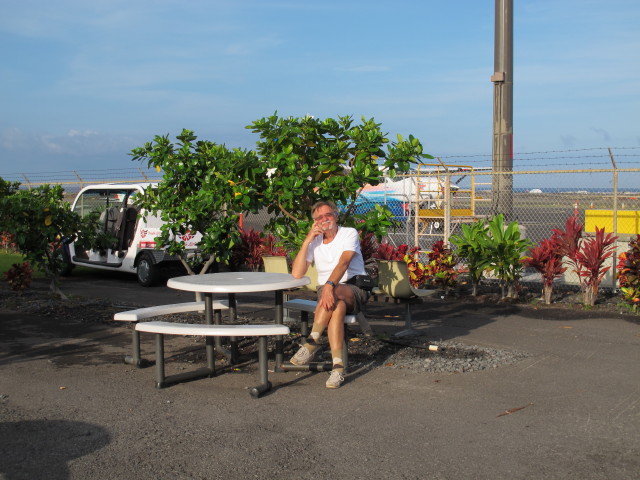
point(542, 159)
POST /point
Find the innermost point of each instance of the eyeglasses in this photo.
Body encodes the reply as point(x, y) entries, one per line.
point(326, 215)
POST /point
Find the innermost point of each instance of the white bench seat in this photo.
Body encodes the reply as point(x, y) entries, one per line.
point(156, 311)
point(138, 314)
point(160, 329)
point(172, 328)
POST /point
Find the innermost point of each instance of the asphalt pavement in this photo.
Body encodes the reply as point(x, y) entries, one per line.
point(69, 409)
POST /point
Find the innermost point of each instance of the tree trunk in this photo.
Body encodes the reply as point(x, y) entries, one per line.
point(547, 290)
point(590, 295)
point(588, 298)
point(55, 288)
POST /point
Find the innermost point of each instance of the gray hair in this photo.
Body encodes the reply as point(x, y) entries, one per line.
point(324, 203)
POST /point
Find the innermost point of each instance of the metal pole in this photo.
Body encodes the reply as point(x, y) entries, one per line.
point(502, 185)
point(615, 220)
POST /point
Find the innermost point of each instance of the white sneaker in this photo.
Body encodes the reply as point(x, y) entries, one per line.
point(335, 379)
point(303, 356)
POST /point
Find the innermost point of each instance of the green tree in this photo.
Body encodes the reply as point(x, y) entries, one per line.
point(506, 251)
point(8, 188)
point(204, 188)
point(472, 246)
point(38, 219)
point(308, 159)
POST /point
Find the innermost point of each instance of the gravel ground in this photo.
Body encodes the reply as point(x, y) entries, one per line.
point(415, 353)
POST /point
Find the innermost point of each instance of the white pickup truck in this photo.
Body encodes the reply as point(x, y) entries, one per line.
point(127, 239)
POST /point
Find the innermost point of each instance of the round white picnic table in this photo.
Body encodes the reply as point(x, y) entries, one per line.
point(240, 282)
point(237, 282)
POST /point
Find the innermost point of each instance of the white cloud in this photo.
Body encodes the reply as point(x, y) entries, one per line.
point(366, 69)
point(76, 142)
point(80, 133)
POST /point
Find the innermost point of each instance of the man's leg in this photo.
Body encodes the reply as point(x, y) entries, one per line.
point(335, 332)
point(345, 302)
point(307, 351)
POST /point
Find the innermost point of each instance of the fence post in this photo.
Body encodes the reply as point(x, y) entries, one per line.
point(79, 180)
point(447, 207)
point(615, 220)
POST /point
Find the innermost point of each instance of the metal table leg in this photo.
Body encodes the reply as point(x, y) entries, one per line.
point(279, 350)
point(265, 384)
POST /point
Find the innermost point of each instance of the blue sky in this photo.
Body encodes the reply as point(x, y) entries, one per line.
point(85, 82)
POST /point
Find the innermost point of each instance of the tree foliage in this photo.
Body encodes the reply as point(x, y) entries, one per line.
point(298, 161)
point(308, 159)
point(204, 188)
point(506, 249)
point(38, 219)
point(472, 246)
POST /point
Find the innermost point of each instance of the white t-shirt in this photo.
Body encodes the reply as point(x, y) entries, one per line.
point(326, 255)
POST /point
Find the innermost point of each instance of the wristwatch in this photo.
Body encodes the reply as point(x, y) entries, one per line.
point(329, 282)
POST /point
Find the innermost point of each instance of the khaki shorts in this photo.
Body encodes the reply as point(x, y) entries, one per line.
point(360, 297)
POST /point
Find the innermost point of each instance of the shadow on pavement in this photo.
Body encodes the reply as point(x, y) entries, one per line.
point(43, 448)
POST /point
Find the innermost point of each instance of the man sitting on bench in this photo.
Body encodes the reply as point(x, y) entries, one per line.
point(336, 253)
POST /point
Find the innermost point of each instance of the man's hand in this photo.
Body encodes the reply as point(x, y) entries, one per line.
point(316, 230)
point(327, 298)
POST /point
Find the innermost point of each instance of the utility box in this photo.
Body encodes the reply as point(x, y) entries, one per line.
point(628, 221)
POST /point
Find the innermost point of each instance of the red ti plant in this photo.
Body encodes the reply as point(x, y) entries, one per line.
point(270, 247)
point(248, 252)
point(387, 251)
point(546, 258)
point(591, 257)
point(417, 274)
point(569, 240)
point(586, 257)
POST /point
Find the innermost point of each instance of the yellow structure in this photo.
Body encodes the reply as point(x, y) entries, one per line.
point(628, 221)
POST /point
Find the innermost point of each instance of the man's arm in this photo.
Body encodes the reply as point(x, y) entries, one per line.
point(300, 263)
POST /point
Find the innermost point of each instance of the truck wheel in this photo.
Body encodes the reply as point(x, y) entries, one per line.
point(147, 271)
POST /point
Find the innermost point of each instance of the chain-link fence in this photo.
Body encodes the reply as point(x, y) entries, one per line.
point(434, 200)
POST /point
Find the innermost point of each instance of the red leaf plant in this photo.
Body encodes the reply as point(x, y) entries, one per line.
point(417, 273)
point(387, 251)
point(591, 257)
point(248, 251)
point(629, 273)
point(271, 247)
point(19, 276)
point(569, 240)
point(546, 258)
point(586, 256)
point(369, 247)
point(441, 267)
